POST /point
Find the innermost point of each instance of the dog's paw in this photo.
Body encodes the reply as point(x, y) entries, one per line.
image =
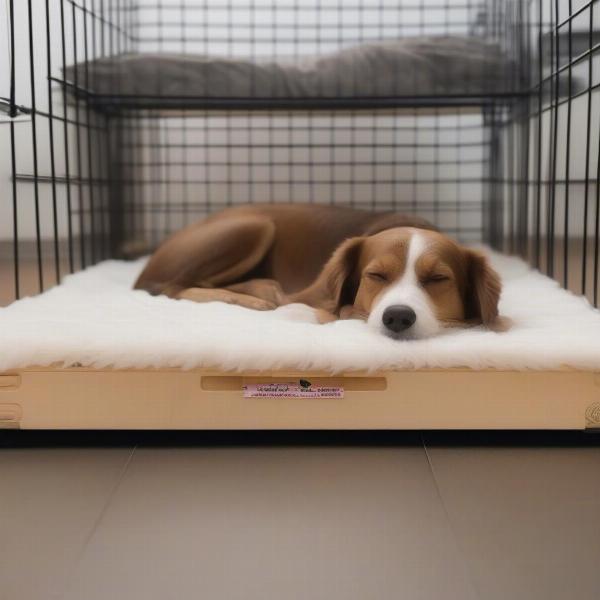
point(257, 304)
point(301, 313)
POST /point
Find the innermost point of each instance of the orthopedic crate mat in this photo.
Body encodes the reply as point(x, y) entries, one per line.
point(95, 319)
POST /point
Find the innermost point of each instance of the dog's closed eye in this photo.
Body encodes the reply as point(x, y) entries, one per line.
point(376, 276)
point(434, 278)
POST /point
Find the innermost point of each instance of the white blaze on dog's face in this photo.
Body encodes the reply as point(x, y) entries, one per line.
point(402, 308)
point(410, 283)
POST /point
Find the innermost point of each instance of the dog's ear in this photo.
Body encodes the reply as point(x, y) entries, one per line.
point(482, 290)
point(338, 281)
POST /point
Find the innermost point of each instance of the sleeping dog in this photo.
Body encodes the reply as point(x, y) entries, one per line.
point(321, 263)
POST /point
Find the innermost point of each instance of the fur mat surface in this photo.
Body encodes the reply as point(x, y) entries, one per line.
point(94, 318)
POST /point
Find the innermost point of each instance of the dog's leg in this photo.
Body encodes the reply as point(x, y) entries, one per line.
point(222, 295)
point(209, 255)
point(267, 289)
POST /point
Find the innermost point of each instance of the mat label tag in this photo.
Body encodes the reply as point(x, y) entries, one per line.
point(301, 388)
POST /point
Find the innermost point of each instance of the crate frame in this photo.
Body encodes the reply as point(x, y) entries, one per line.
point(208, 399)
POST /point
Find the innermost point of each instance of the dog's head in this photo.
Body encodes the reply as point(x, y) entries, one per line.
point(409, 283)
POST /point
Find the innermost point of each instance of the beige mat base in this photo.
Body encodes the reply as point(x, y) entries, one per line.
point(84, 398)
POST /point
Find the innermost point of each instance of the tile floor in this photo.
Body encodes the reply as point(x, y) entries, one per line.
point(398, 516)
point(285, 517)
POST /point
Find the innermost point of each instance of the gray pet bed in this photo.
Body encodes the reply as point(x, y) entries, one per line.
point(417, 66)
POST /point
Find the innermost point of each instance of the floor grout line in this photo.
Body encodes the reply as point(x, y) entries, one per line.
point(459, 547)
point(99, 519)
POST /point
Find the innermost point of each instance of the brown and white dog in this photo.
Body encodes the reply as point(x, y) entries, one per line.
point(398, 273)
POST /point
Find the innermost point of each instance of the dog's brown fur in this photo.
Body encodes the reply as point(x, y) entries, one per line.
point(264, 256)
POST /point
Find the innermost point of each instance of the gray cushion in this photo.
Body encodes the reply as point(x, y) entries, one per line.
point(416, 66)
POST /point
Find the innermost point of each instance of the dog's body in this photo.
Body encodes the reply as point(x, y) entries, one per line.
point(341, 262)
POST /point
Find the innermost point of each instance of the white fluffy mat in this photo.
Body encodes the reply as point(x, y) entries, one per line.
point(94, 318)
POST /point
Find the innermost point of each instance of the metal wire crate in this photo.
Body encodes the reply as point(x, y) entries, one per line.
point(87, 175)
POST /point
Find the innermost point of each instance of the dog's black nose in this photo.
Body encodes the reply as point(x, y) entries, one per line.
point(398, 318)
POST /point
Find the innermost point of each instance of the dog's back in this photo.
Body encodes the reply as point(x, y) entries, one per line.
point(307, 234)
point(287, 243)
